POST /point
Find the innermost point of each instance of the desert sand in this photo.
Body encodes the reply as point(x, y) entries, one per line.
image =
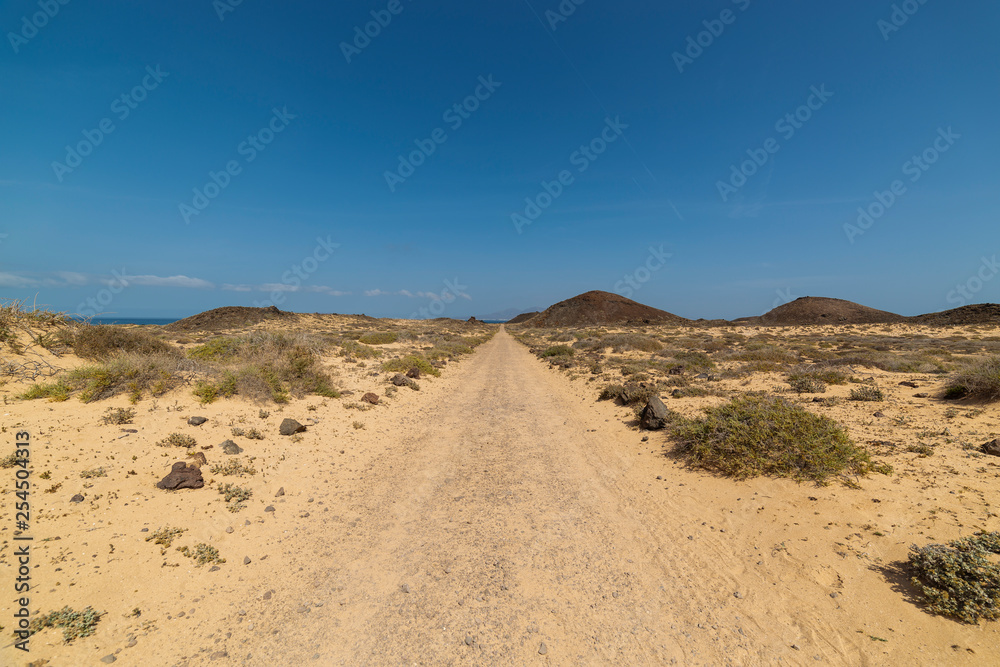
point(500, 515)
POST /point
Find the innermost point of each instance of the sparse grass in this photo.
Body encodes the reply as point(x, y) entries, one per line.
point(408, 362)
point(118, 416)
point(74, 624)
point(981, 381)
point(95, 472)
point(202, 554)
point(132, 373)
point(623, 342)
point(54, 391)
point(558, 351)
point(233, 467)
point(959, 579)
point(165, 536)
point(358, 425)
point(629, 394)
point(11, 460)
point(379, 338)
point(807, 385)
point(820, 373)
point(355, 350)
point(763, 435)
point(178, 440)
point(235, 496)
point(105, 341)
point(867, 392)
point(250, 433)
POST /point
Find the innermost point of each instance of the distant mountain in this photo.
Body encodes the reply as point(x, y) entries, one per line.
point(977, 313)
point(229, 317)
point(510, 313)
point(523, 317)
point(597, 308)
point(822, 310)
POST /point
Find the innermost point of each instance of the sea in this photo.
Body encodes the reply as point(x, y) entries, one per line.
point(169, 320)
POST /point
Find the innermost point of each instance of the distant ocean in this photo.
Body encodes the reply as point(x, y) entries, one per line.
point(133, 320)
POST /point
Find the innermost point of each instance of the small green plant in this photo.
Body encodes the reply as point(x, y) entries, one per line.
point(959, 579)
point(379, 338)
point(867, 393)
point(74, 624)
point(10, 461)
point(559, 351)
point(55, 392)
point(412, 361)
point(96, 472)
point(118, 416)
point(920, 448)
point(236, 496)
point(202, 554)
point(358, 425)
point(807, 385)
point(177, 440)
point(263, 414)
point(251, 433)
point(980, 381)
point(233, 467)
point(165, 536)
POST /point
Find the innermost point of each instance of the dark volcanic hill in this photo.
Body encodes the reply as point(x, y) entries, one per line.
point(977, 313)
point(597, 308)
point(228, 317)
point(823, 310)
point(523, 317)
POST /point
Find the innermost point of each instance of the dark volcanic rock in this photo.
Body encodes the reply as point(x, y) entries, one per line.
point(290, 426)
point(654, 415)
point(399, 379)
point(413, 373)
point(182, 476)
point(370, 398)
point(230, 447)
point(197, 421)
point(992, 448)
point(76, 499)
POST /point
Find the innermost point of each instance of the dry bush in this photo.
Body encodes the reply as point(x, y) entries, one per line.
point(980, 381)
point(105, 341)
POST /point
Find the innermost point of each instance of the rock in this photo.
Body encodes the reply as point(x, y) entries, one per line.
point(921, 395)
point(229, 529)
point(405, 588)
point(542, 649)
point(280, 492)
point(677, 393)
point(269, 508)
point(738, 595)
point(197, 421)
point(413, 373)
point(399, 380)
point(370, 398)
point(214, 568)
point(230, 447)
point(303, 609)
point(108, 659)
point(198, 459)
point(906, 383)
point(76, 499)
point(246, 561)
point(992, 448)
point(182, 476)
point(645, 438)
point(468, 640)
point(701, 376)
point(878, 414)
point(290, 426)
point(654, 415)
point(796, 647)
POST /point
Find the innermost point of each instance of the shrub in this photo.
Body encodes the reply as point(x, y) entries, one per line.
point(959, 579)
point(235, 496)
point(105, 341)
point(233, 467)
point(217, 349)
point(408, 362)
point(165, 536)
point(629, 394)
point(821, 373)
point(980, 381)
point(118, 416)
point(695, 360)
point(177, 440)
point(351, 348)
point(96, 472)
point(74, 624)
point(132, 373)
point(867, 393)
point(251, 433)
point(764, 352)
point(764, 435)
point(623, 342)
point(379, 338)
point(807, 385)
point(202, 554)
point(55, 392)
point(558, 351)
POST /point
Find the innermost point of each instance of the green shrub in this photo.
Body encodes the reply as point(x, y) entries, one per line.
point(558, 351)
point(96, 472)
point(411, 361)
point(763, 435)
point(356, 350)
point(959, 579)
point(695, 360)
point(379, 338)
point(105, 341)
point(822, 374)
point(251, 433)
point(55, 392)
point(867, 392)
point(807, 385)
point(118, 416)
point(235, 496)
point(202, 554)
point(74, 624)
point(178, 440)
point(217, 349)
point(981, 381)
point(233, 467)
point(165, 536)
point(623, 342)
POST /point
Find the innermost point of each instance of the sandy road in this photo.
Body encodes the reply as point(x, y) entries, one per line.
point(499, 524)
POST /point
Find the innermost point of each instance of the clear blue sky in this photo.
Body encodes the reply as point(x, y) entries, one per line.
point(196, 88)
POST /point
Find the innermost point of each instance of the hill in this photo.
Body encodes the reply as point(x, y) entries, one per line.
point(598, 308)
point(822, 310)
point(523, 317)
point(977, 313)
point(228, 317)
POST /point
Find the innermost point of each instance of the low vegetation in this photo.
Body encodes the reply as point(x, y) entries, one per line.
point(235, 496)
point(412, 361)
point(867, 392)
point(233, 467)
point(118, 416)
point(379, 338)
point(74, 624)
point(960, 579)
point(202, 554)
point(980, 381)
point(178, 440)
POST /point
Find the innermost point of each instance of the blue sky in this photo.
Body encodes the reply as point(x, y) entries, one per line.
point(617, 127)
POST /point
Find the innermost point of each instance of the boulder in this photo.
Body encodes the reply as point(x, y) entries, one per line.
point(399, 380)
point(654, 415)
point(413, 373)
point(182, 476)
point(197, 421)
point(230, 447)
point(370, 398)
point(290, 426)
point(992, 448)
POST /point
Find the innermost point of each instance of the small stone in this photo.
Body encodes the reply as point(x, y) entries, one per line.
point(290, 426)
point(992, 447)
point(132, 642)
point(834, 595)
point(246, 561)
point(214, 568)
point(269, 508)
point(405, 588)
point(645, 438)
point(267, 595)
point(280, 492)
point(878, 414)
point(230, 447)
point(370, 398)
point(921, 395)
point(468, 640)
point(108, 659)
point(542, 649)
point(659, 477)
point(144, 530)
point(738, 595)
point(229, 529)
point(303, 609)
point(197, 421)
point(76, 499)
point(796, 647)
